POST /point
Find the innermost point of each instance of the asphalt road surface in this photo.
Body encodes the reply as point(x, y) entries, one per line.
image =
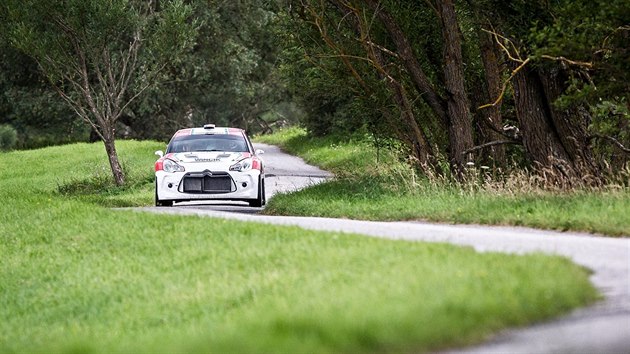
point(602, 328)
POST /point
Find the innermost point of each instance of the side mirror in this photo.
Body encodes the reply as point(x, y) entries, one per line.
point(159, 153)
point(259, 152)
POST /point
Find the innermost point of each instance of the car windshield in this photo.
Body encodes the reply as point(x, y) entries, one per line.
point(216, 142)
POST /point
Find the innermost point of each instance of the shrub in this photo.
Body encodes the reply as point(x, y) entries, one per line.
point(8, 137)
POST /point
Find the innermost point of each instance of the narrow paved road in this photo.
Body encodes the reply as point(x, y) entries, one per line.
point(602, 328)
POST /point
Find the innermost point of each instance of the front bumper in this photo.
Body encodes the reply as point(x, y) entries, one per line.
point(171, 186)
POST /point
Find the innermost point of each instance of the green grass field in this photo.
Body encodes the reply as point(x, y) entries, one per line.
point(79, 277)
point(378, 187)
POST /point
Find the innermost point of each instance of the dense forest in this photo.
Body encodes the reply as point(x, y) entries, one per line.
point(536, 84)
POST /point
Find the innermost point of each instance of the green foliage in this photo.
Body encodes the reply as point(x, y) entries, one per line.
point(99, 32)
point(30, 105)
point(333, 100)
point(77, 277)
point(220, 68)
point(228, 78)
point(323, 40)
point(8, 137)
point(597, 33)
point(99, 55)
point(255, 63)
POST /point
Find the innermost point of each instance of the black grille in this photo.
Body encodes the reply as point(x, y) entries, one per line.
point(207, 182)
point(217, 184)
point(193, 185)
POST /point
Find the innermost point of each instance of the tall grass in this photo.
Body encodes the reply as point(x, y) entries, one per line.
point(388, 189)
point(76, 277)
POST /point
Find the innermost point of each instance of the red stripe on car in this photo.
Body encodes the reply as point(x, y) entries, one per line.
point(235, 131)
point(183, 132)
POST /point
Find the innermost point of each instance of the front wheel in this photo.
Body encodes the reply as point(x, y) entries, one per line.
point(261, 200)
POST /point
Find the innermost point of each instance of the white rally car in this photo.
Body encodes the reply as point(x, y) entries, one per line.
point(209, 163)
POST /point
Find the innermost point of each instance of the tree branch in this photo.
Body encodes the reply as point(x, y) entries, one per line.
point(503, 47)
point(318, 21)
point(406, 54)
point(583, 64)
point(128, 66)
point(504, 88)
point(611, 139)
point(150, 82)
point(492, 143)
point(78, 109)
point(382, 49)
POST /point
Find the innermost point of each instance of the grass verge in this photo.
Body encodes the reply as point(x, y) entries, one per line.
point(76, 277)
point(373, 185)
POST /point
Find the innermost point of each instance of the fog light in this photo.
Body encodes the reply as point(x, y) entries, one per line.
point(244, 184)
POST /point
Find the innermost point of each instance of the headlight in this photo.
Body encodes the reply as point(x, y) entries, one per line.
point(172, 166)
point(242, 166)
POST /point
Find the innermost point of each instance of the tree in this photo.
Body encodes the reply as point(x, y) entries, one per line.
point(437, 61)
point(458, 107)
point(584, 49)
point(101, 55)
point(228, 78)
point(380, 36)
point(566, 58)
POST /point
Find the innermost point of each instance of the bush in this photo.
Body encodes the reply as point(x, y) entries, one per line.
point(8, 137)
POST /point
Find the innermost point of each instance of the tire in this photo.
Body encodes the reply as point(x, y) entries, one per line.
point(161, 203)
point(261, 200)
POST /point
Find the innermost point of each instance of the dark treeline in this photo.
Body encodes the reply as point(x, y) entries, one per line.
point(528, 83)
point(542, 84)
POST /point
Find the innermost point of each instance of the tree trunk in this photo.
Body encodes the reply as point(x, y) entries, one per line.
point(492, 119)
point(571, 124)
point(114, 163)
point(416, 138)
point(540, 139)
point(460, 127)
